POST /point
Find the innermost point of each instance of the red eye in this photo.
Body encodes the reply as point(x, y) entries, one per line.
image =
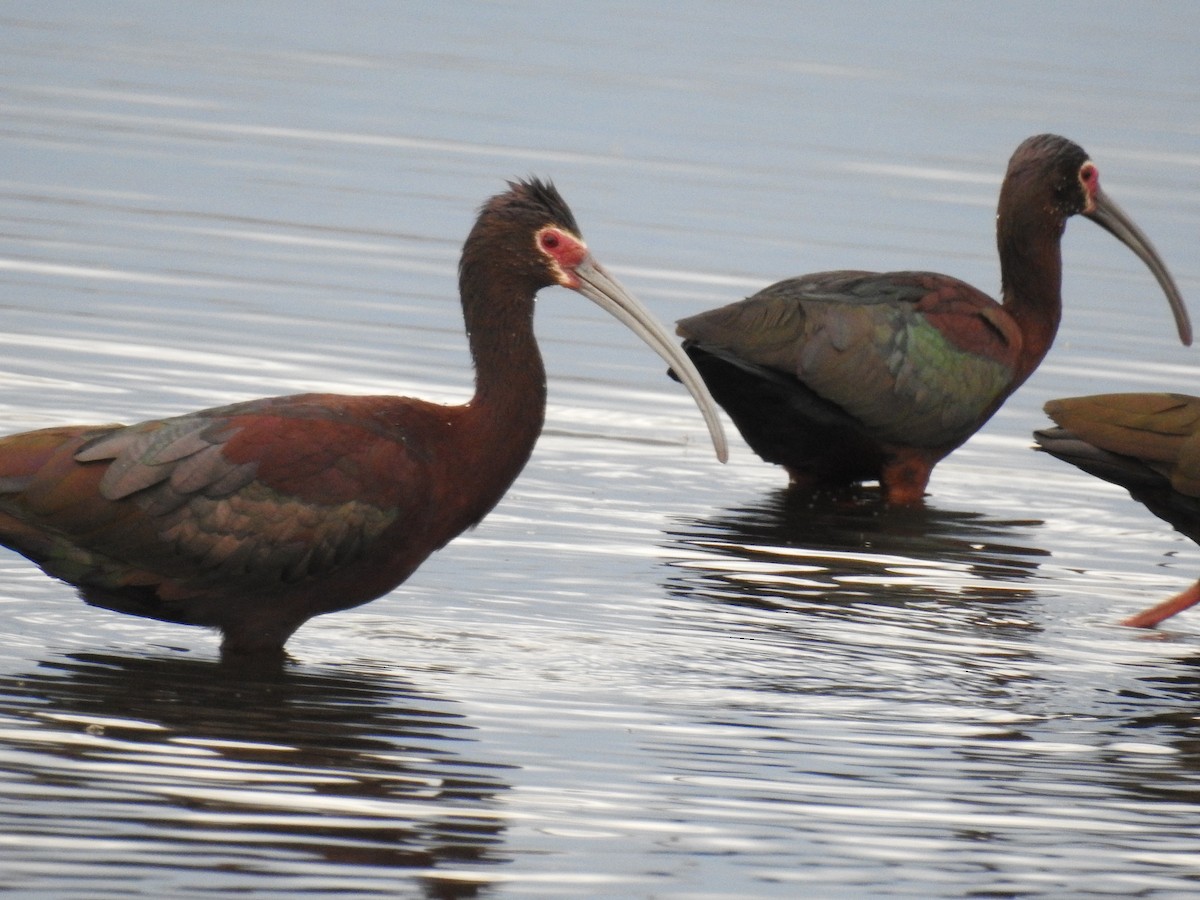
point(550, 240)
point(1089, 175)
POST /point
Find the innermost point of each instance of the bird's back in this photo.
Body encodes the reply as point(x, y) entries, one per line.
point(910, 358)
point(1148, 444)
point(259, 513)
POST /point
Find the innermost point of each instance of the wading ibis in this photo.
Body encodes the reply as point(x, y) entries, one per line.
point(844, 377)
point(1149, 444)
point(255, 517)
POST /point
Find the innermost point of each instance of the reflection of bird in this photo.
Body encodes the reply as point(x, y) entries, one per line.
point(844, 377)
point(1149, 444)
point(269, 754)
point(786, 548)
point(255, 517)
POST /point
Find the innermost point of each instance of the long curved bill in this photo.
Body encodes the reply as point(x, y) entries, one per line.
point(1113, 219)
point(607, 293)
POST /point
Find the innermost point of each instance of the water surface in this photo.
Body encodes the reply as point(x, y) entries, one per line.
point(645, 675)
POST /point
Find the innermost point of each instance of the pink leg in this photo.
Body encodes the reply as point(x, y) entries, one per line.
point(905, 477)
point(1148, 618)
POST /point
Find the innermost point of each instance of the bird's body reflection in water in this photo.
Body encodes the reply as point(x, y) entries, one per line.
point(831, 552)
point(182, 779)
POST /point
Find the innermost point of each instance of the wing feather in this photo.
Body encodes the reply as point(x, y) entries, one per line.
point(247, 495)
point(915, 358)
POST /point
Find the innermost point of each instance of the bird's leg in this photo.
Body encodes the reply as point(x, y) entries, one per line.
point(1148, 618)
point(905, 476)
point(258, 635)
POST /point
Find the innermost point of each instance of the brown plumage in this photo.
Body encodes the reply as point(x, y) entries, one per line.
point(1149, 444)
point(850, 376)
point(252, 518)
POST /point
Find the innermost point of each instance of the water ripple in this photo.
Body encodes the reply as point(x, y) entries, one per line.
point(154, 756)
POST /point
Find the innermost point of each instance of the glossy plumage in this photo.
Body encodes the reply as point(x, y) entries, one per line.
point(254, 517)
point(1148, 444)
point(851, 376)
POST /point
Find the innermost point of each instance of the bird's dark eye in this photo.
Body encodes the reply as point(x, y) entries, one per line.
point(550, 240)
point(1088, 174)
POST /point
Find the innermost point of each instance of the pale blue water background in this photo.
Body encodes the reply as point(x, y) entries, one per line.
point(645, 675)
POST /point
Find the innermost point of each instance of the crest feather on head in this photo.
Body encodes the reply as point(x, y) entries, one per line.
point(533, 197)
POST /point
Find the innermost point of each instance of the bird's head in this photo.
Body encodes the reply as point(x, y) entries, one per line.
point(1051, 179)
point(527, 234)
point(526, 239)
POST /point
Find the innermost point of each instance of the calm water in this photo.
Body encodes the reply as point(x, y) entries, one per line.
point(645, 675)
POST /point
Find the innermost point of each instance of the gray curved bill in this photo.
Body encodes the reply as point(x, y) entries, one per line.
point(606, 292)
point(1112, 219)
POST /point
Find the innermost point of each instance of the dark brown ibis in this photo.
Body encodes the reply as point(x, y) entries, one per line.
point(845, 377)
point(255, 517)
point(1148, 444)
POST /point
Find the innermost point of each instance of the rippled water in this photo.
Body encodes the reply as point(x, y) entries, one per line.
point(645, 675)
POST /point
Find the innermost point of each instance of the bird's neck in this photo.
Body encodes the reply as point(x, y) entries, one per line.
point(1031, 285)
point(506, 414)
